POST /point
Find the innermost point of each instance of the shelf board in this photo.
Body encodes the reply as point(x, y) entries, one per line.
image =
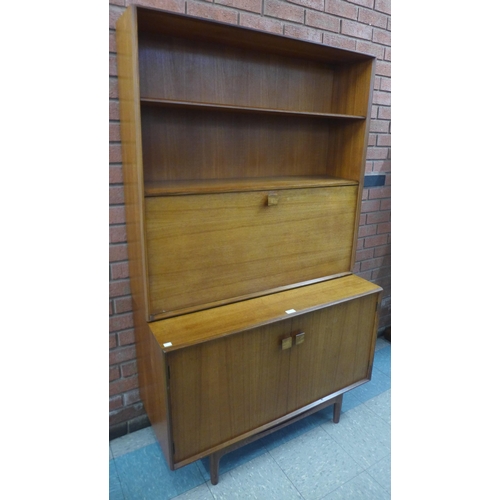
point(245, 109)
point(205, 186)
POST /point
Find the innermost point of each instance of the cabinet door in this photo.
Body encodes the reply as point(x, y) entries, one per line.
point(336, 352)
point(222, 389)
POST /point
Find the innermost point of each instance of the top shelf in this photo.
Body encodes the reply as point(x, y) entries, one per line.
point(245, 109)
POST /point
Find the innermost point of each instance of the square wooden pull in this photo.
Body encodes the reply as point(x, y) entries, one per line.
point(272, 198)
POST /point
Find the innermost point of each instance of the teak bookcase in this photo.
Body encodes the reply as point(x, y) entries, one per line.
point(243, 160)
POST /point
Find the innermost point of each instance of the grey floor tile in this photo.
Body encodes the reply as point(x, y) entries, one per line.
point(115, 488)
point(144, 474)
point(382, 360)
point(259, 479)
point(363, 435)
point(362, 487)
point(381, 472)
point(381, 343)
point(379, 383)
point(199, 493)
point(315, 464)
point(132, 442)
point(381, 405)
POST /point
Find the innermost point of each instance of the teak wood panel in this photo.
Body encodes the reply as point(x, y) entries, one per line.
point(204, 249)
point(232, 386)
point(221, 389)
point(336, 352)
point(209, 324)
point(186, 70)
point(130, 131)
point(180, 144)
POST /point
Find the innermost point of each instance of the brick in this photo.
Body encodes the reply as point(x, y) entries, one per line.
point(322, 21)
point(383, 6)
point(381, 272)
point(249, 5)
point(374, 153)
point(362, 219)
point(384, 228)
point(115, 174)
point(114, 110)
point(113, 69)
point(128, 369)
point(117, 215)
point(123, 385)
point(119, 288)
point(215, 13)
point(261, 23)
point(372, 18)
point(339, 41)
point(364, 3)
point(385, 204)
point(312, 4)
point(171, 5)
point(385, 84)
point(364, 254)
point(126, 337)
point(122, 3)
point(371, 264)
point(112, 41)
point(131, 397)
point(116, 195)
point(121, 322)
point(364, 231)
point(341, 9)
point(285, 11)
point(356, 267)
point(375, 241)
point(127, 413)
point(302, 33)
point(113, 87)
point(370, 206)
point(356, 30)
point(378, 217)
point(387, 54)
point(382, 251)
point(383, 68)
point(383, 140)
point(115, 402)
point(372, 140)
point(384, 113)
point(114, 132)
point(114, 373)
point(381, 166)
point(379, 192)
point(121, 354)
point(118, 252)
point(119, 270)
point(112, 340)
point(115, 153)
point(360, 244)
point(379, 126)
point(381, 36)
point(123, 304)
point(370, 48)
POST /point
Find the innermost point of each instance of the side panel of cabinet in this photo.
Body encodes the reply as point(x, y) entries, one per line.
point(232, 245)
point(337, 350)
point(221, 389)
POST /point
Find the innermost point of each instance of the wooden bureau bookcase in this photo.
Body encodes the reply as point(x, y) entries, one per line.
point(243, 162)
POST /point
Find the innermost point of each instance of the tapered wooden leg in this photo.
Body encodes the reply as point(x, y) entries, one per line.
point(214, 467)
point(337, 406)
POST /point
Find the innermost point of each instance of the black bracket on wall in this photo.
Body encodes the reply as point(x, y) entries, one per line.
point(374, 181)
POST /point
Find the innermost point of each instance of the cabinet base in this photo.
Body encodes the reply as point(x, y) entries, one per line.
point(216, 456)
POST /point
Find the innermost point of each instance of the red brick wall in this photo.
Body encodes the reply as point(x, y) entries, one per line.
point(363, 25)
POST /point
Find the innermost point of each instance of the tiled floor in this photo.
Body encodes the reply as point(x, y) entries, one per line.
point(312, 459)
